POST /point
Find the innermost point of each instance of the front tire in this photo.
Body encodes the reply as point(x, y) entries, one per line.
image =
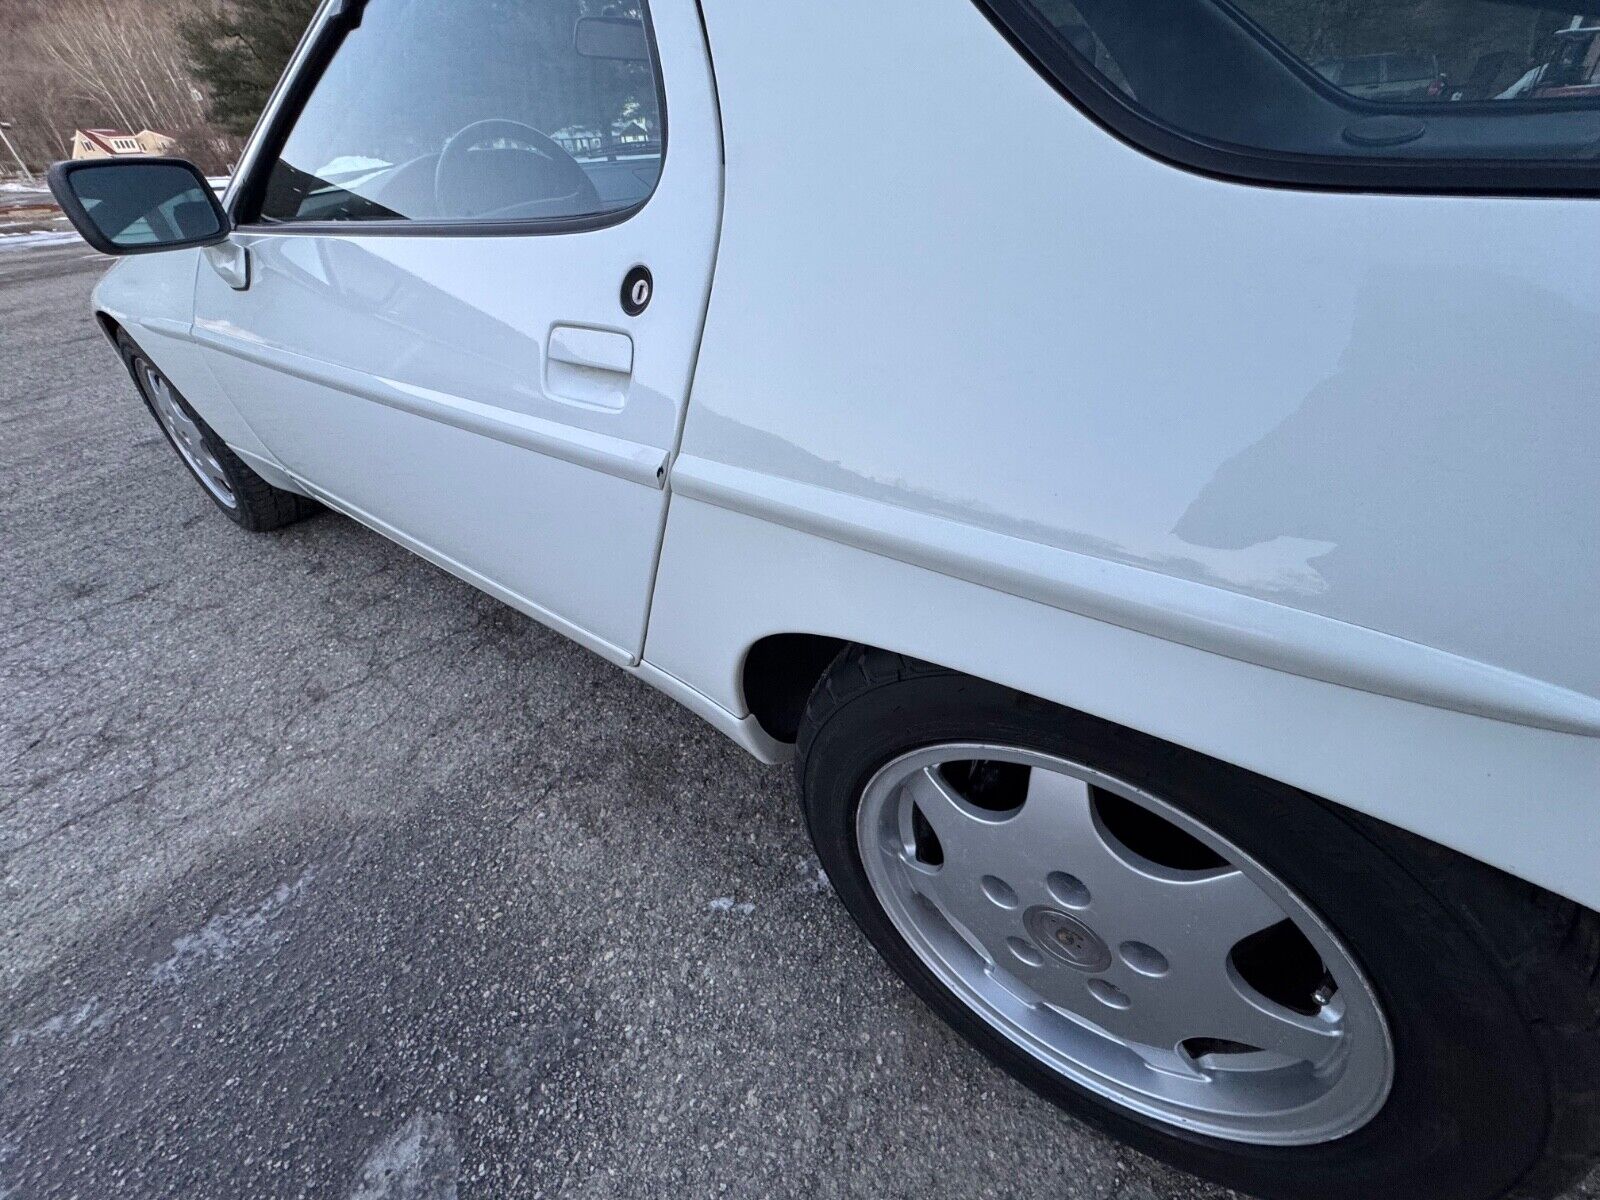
point(1060, 890)
point(245, 498)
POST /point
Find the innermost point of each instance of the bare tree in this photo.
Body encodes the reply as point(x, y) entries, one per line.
point(126, 59)
point(101, 63)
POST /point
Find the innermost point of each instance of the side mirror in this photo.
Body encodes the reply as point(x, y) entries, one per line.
point(139, 205)
point(621, 38)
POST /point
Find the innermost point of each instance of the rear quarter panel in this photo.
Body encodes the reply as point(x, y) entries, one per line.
point(1346, 441)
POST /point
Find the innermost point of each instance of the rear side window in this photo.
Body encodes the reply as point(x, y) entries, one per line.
point(1428, 95)
point(474, 111)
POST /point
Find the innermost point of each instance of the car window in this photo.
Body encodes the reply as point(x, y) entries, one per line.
point(1409, 67)
point(1357, 72)
point(1303, 80)
point(476, 111)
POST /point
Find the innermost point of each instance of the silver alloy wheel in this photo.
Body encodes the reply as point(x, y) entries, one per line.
point(186, 436)
point(1114, 971)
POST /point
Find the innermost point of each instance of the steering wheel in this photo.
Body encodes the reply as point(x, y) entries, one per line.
point(536, 178)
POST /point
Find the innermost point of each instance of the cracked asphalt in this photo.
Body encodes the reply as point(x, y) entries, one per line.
point(324, 875)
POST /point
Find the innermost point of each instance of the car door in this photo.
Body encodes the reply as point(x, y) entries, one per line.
point(465, 293)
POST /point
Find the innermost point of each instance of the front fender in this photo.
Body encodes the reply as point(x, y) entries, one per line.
point(152, 298)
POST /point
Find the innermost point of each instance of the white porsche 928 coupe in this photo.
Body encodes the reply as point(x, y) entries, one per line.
point(1138, 457)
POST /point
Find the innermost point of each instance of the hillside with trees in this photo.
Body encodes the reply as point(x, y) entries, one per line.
point(239, 50)
point(198, 70)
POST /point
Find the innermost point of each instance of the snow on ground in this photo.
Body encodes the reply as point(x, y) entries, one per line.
point(36, 237)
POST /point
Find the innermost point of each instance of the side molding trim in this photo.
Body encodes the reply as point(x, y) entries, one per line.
point(1177, 610)
point(644, 465)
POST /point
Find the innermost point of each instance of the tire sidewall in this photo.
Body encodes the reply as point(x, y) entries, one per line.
point(1467, 1112)
point(132, 358)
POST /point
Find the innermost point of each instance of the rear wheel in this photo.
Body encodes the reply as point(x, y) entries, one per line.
point(248, 500)
point(1228, 973)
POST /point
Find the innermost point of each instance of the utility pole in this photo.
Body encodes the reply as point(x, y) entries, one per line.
point(4, 137)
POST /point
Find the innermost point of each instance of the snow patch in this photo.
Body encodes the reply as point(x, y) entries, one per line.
point(419, 1161)
point(225, 935)
point(86, 1018)
point(725, 904)
point(43, 237)
point(814, 878)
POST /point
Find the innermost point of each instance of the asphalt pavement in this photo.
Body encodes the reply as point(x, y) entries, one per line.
point(324, 875)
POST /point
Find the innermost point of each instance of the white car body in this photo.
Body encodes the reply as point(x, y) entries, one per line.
point(1301, 480)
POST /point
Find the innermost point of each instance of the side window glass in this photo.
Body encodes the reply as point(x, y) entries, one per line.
point(1351, 73)
point(1311, 82)
point(1416, 51)
point(477, 111)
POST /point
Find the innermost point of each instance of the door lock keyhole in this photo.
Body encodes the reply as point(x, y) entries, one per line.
point(638, 288)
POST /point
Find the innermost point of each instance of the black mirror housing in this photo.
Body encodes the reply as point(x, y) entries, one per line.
point(125, 206)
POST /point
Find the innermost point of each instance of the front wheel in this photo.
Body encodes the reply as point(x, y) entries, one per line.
point(1225, 972)
point(245, 498)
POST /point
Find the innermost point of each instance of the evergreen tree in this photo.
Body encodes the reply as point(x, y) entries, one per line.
point(239, 49)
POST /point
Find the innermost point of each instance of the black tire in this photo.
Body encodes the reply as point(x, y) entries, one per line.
point(1491, 986)
point(258, 505)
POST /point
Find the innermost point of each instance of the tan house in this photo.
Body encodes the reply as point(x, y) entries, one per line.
point(109, 143)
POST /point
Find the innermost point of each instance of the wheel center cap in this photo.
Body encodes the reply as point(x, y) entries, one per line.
point(1067, 939)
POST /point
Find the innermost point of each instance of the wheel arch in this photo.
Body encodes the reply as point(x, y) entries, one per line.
point(109, 325)
point(748, 613)
point(778, 674)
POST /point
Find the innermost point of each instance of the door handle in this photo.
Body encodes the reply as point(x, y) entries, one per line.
point(600, 349)
point(589, 366)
